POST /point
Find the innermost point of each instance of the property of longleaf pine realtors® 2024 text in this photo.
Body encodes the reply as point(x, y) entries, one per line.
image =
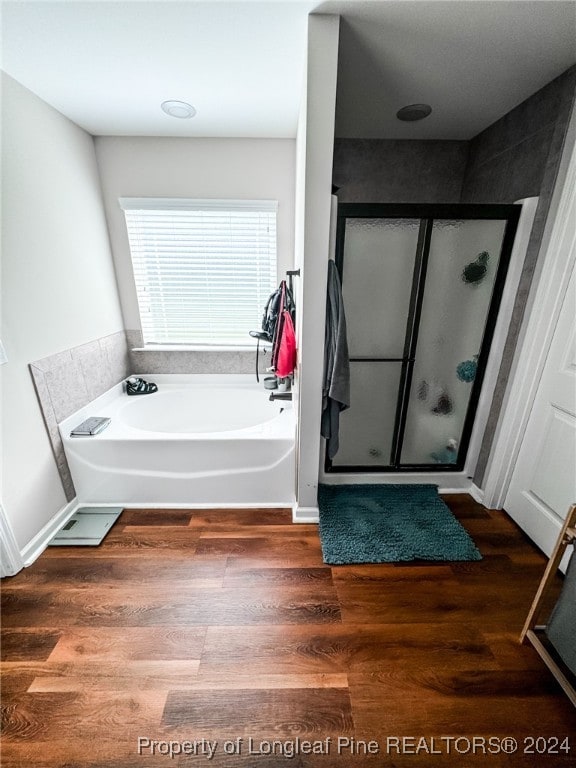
point(345, 745)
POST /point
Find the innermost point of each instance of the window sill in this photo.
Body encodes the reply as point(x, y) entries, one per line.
point(182, 348)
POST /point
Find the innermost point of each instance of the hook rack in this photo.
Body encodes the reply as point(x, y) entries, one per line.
point(290, 274)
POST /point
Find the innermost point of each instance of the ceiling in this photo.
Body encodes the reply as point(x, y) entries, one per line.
point(471, 61)
point(108, 64)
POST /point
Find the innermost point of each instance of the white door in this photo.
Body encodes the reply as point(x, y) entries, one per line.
point(544, 479)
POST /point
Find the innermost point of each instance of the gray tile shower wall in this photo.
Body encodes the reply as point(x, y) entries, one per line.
point(399, 171)
point(517, 157)
point(509, 159)
point(69, 380)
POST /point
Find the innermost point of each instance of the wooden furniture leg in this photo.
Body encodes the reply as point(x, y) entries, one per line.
point(529, 632)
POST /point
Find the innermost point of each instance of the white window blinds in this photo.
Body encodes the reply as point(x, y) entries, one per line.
point(203, 268)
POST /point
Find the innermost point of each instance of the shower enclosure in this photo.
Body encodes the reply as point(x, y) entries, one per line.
point(422, 286)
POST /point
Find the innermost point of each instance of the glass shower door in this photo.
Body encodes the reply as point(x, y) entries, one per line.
point(461, 271)
point(378, 262)
point(421, 286)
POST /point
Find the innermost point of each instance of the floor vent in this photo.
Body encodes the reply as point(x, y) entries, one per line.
point(87, 527)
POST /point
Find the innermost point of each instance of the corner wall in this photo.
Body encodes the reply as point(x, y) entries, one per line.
point(314, 185)
point(58, 286)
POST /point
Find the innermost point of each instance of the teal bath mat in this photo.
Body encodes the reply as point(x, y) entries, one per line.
point(388, 524)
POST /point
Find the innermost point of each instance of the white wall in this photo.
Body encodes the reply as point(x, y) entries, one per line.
point(315, 144)
point(194, 168)
point(58, 285)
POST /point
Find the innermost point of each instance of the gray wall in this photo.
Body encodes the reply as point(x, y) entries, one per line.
point(518, 156)
point(395, 171)
point(512, 157)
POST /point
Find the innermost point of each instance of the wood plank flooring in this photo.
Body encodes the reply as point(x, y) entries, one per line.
point(206, 629)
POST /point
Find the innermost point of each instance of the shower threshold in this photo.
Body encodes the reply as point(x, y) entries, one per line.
point(447, 482)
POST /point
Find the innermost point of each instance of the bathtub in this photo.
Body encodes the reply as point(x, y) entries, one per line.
point(201, 440)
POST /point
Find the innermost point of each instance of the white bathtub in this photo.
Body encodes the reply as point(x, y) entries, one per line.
point(200, 440)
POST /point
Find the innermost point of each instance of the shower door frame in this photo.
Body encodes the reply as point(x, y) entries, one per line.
point(427, 213)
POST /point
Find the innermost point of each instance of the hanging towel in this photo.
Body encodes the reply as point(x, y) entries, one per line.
point(286, 359)
point(336, 381)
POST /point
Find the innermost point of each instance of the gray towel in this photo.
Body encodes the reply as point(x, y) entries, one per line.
point(336, 380)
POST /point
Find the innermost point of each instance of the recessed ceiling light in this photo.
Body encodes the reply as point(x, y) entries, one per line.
point(414, 112)
point(179, 109)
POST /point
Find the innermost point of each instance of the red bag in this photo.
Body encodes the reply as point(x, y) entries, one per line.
point(286, 358)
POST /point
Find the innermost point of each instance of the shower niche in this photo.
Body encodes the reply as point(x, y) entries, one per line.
point(422, 286)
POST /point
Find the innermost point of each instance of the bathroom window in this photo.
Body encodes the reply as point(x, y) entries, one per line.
point(203, 268)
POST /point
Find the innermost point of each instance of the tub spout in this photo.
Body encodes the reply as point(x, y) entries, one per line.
point(280, 396)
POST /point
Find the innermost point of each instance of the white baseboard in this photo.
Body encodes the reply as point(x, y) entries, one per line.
point(189, 505)
point(305, 514)
point(477, 494)
point(38, 544)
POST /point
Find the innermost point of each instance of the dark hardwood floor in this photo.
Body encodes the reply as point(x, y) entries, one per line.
point(199, 627)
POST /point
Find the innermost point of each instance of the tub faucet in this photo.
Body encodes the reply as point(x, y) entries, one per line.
point(280, 396)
